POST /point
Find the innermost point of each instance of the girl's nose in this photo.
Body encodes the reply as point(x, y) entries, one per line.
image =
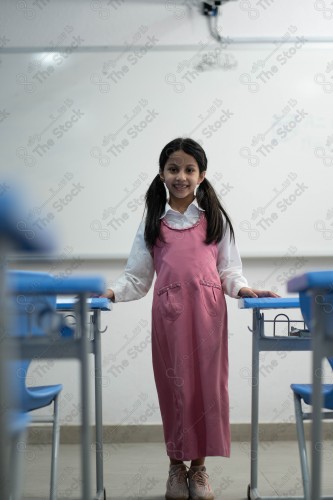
point(180, 175)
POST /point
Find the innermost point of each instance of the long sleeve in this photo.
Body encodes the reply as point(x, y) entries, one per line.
point(137, 278)
point(229, 266)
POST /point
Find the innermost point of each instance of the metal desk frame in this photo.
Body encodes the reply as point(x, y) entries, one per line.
point(95, 306)
point(54, 346)
point(261, 342)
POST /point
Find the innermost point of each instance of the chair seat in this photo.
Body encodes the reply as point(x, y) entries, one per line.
point(38, 397)
point(305, 392)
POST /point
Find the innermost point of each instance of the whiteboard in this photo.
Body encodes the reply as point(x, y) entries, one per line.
point(83, 132)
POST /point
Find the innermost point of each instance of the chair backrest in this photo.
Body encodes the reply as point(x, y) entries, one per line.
point(31, 314)
point(305, 304)
point(327, 307)
point(18, 373)
point(15, 230)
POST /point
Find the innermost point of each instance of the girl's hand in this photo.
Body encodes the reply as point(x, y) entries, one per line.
point(109, 294)
point(253, 293)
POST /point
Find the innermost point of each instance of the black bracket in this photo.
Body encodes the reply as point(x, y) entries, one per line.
point(211, 8)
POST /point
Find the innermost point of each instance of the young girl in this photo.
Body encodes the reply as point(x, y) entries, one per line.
point(189, 241)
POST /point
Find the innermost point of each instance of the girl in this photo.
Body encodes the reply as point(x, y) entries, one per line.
point(189, 241)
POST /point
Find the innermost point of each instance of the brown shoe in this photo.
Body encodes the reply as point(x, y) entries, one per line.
point(198, 484)
point(176, 486)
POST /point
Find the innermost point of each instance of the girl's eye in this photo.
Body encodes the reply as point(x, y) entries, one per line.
point(175, 169)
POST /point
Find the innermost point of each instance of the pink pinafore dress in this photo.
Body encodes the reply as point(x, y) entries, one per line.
point(190, 344)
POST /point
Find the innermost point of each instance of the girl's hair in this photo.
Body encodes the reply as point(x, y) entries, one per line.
point(207, 199)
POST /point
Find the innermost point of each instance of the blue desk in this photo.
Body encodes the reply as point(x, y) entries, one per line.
point(55, 346)
point(317, 285)
point(95, 305)
point(262, 342)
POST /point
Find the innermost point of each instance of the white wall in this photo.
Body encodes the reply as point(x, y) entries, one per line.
point(115, 23)
point(68, 115)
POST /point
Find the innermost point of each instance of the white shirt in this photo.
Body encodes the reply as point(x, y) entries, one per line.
point(137, 278)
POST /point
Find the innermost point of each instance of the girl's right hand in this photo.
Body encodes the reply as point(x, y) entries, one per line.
point(109, 294)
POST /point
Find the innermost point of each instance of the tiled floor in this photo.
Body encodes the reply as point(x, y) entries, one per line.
point(138, 471)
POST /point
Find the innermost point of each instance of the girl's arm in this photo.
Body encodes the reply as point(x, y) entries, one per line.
point(135, 282)
point(229, 266)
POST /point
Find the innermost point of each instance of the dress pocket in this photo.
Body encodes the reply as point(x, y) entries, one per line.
point(210, 293)
point(170, 301)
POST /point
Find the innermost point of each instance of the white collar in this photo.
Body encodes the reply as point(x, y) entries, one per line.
point(189, 208)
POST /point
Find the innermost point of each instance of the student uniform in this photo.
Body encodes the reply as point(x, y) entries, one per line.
point(189, 328)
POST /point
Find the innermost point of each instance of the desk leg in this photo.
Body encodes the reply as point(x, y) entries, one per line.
point(85, 400)
point(317, 397)
point(98, 406)
point(255, 406)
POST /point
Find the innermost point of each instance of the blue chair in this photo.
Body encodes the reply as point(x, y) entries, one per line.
point(35, 315)
point(35, 398)
point(303, 394)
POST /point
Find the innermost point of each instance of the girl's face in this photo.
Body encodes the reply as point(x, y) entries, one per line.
point(181, 175)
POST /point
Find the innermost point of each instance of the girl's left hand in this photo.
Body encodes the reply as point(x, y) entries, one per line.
point(253, 293)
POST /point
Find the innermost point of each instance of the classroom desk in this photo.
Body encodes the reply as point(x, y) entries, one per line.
point(95, 306)
point(15, 234)
point(55, 346)
point(317, 285)
point(262, 342)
